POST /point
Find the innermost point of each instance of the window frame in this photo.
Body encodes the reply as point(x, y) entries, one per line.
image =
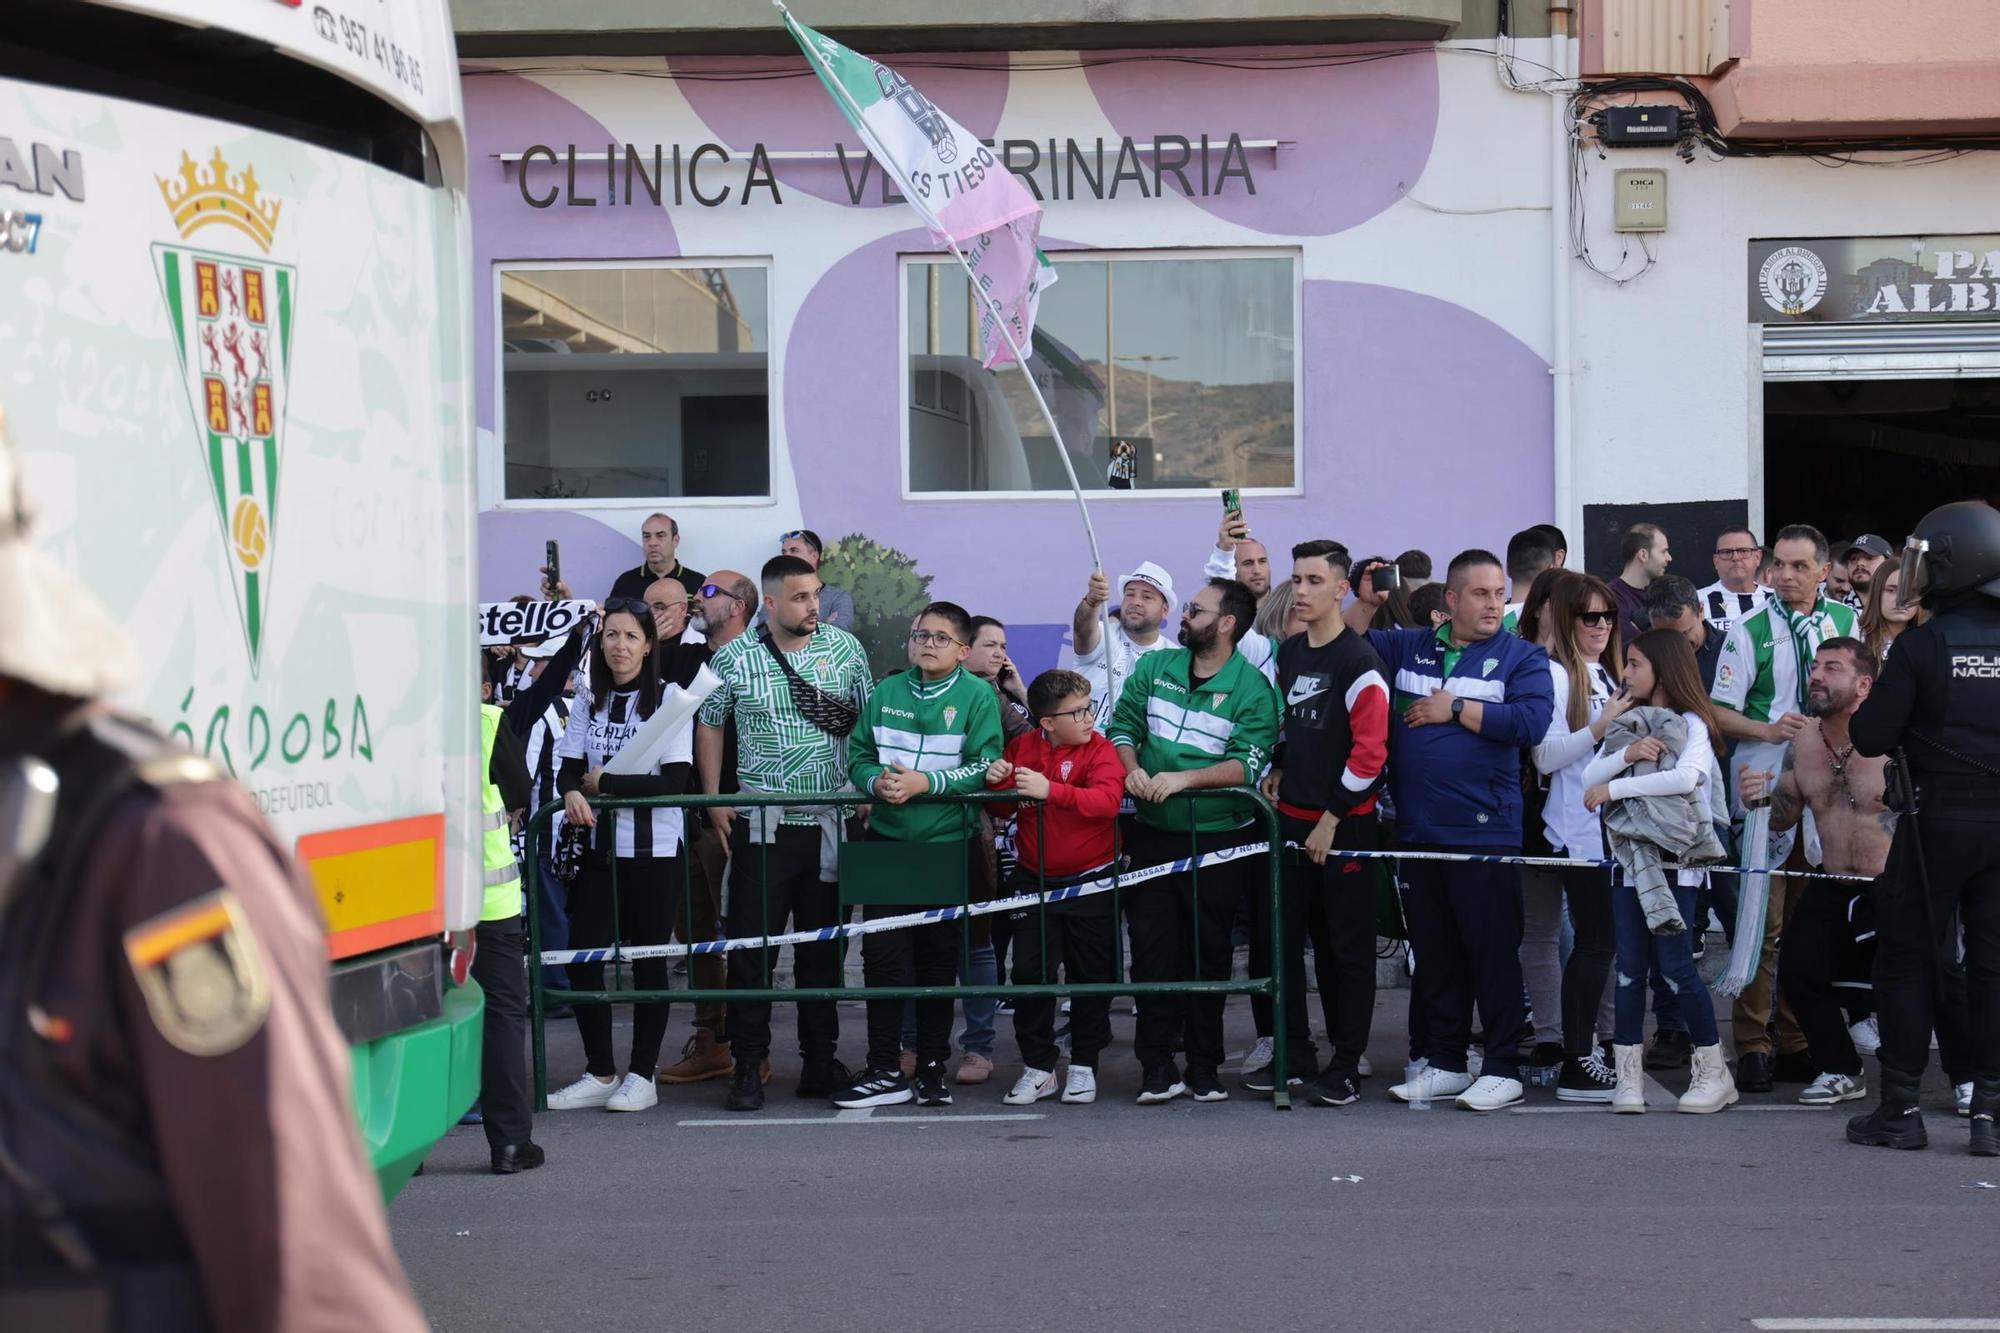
point(918, 259)
point(501, 267)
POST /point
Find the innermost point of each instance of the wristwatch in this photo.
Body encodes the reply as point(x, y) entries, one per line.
point(1457, 707)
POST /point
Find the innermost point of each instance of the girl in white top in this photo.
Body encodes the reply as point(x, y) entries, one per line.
point(1660, 670)
point(1578, 624)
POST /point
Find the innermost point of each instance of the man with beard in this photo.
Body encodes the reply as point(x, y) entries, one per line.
point(1188, 719)
point(782, 749)
point(1844, 791)
point(1147, 595)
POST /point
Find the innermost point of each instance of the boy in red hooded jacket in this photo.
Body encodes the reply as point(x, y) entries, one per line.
point(1068, 766)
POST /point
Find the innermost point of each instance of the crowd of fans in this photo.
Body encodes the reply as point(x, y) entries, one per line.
point(1514, 708)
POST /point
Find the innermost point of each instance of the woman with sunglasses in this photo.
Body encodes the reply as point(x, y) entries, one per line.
point(634, 869)
point(1578, 625)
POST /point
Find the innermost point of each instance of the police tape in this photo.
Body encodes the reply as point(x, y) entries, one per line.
point(1070, 892)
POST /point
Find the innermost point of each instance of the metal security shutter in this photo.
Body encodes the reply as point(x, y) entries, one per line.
point(1880, 351)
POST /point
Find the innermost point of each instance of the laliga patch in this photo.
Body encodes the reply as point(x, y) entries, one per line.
point(201, 974)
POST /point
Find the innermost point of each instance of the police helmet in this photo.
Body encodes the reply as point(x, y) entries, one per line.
point(1955, 550)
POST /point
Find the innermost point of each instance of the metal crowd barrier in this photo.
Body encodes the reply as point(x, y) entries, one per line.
point(963, 910)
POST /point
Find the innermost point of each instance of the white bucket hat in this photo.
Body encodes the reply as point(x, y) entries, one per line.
point(54, 635)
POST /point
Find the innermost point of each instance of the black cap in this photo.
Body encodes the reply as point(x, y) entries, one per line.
point(1876, 546)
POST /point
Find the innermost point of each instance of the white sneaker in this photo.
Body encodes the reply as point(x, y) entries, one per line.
point(636, 1093)
point(1833, 1089)
point(586, 1094)
point(1260, 1055)
point(1491, 1093)
point(1436, 1084)
point(1082, 1086)
point(1033, 1086)
point(1866, 1035)
point(1965, 1100)
point(1362, 1069)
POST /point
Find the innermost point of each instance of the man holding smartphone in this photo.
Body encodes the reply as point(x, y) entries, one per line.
point(1240, 556)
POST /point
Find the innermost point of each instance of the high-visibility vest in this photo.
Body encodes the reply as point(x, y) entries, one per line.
point(503, 872)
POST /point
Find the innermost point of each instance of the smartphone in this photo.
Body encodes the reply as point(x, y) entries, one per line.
point(552, 557)
point(1232, 501)
point(1386, 578)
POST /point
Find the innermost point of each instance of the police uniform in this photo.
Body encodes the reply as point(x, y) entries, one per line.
point(1937, 705)
point(177, 1143)
point(498, 963)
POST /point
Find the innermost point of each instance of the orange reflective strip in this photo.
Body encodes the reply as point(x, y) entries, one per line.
point(155, 943)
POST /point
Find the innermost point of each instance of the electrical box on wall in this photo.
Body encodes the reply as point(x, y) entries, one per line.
point(1639, 199)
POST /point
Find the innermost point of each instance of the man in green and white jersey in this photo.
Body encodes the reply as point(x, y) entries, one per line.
point(1759, 691)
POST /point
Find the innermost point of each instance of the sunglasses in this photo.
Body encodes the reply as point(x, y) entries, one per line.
point(1598, 619)
point(716, 590)
point(629, 605)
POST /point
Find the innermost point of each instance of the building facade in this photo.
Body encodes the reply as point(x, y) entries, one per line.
point(1329, 260)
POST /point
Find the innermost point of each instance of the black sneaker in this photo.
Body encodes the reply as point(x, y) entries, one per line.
point(1985, 1137)
point(1162, 1084)
point(1204, 1086)
point(1545, 1055)
point(1585, 1078)
point(1333, 1088)
point(1260, 1080)
point(932, 1088)
point(1753, 1073)
point(875, 1087)
point(1890, 1125)
point(822, 1078)
point(518, 1157)
point(746, 1088)
point(1670, 1050)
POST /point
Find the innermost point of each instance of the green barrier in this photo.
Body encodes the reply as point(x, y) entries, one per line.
point(897, 874)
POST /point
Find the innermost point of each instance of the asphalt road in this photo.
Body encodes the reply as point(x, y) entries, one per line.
point(1118, 1216)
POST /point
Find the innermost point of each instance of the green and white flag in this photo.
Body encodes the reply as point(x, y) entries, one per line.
point(232, 326)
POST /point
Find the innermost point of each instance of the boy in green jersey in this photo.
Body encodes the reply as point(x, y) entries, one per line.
point(927, 731)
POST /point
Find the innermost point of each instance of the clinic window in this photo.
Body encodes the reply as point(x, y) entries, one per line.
point(636, 382)
point(1175, 372)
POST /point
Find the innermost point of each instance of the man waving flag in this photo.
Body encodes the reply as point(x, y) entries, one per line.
point(967, 197)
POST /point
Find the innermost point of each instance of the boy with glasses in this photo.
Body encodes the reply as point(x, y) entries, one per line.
point(927, 731)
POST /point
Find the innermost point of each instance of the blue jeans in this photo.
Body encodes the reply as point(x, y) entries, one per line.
point(982, 968)
point(1641, 952)
point(552, 900)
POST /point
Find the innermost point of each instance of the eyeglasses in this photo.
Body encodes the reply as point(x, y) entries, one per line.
point(1739, 552)
point(717, 590)
point(1598, 619)
point(931, 638)
point(1192, 610)
point(1075, 714)
point(662, 608)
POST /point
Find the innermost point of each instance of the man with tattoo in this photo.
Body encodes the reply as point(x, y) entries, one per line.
point(1844, 791)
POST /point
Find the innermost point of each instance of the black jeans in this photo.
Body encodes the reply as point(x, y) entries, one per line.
point(1077, 938)
point(1588, 893)
point(1809, 952)
point(499, 968)
point(1465, 927)
point(1180, 922)
point(1916, 988)
point(648, 895)
point(796, 894)
point(926, 955)
point(1334, 905)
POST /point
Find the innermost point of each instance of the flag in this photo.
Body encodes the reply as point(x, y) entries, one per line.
point(1073, 391)
point(964, 193)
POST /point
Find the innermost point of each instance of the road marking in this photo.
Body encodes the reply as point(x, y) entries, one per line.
point(860, 1118)
point(1574, 1108)
point(1807, 1325)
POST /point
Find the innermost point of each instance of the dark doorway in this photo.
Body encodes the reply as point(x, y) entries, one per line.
point(1855, 456)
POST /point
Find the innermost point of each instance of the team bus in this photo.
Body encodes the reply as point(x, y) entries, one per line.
point(235, 354)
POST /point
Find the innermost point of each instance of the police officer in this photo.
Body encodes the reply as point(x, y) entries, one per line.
point(1937, 707)
point(497, 962)
point(177, 1142)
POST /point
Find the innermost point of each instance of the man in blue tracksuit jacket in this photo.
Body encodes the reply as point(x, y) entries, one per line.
point(1467, 699)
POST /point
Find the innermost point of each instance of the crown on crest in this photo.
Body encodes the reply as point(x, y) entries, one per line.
point(199, 197)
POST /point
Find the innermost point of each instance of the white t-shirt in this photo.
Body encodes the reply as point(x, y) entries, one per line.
point(1125, 655)
point(1564, 755)
point(1254, 645)
point(1722, 608)
point(598, 732)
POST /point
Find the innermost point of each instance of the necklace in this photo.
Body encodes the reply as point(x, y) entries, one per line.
point(1838, 758)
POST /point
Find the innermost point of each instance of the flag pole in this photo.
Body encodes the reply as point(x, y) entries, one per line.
point(853, 113)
